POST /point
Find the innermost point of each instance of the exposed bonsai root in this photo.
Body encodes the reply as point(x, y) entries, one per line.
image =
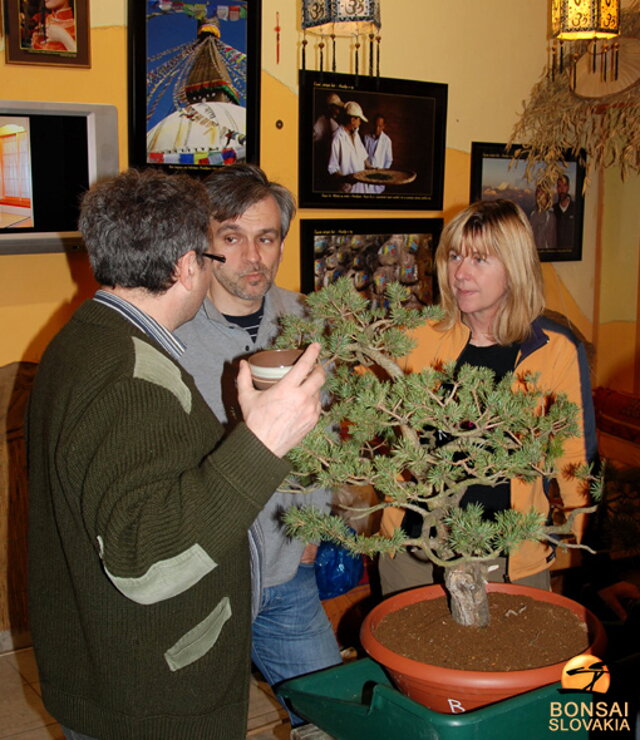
point(466, 585)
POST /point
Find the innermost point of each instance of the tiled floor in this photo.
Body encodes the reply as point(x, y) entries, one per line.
point(23, 716)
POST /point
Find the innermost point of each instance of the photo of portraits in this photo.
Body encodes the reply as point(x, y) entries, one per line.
point(555, 214)
point(373, 253)
point(369, 140)
point(52, 32)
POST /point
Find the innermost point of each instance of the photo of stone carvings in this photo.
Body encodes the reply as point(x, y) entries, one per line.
point(373, 255)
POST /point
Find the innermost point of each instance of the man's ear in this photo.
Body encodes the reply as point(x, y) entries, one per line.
point(186, 268)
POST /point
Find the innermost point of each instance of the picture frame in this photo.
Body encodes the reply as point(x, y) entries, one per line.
point(495, 173)
point(373, 252)
point(194, 84)
point(334, 173)
point(61, 39)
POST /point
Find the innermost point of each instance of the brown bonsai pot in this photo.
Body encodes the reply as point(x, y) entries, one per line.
point(449, 690)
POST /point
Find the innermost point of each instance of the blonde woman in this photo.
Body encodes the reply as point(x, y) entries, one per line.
point(492, 293)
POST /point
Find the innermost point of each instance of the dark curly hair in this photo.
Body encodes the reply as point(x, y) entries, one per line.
point(138, 224)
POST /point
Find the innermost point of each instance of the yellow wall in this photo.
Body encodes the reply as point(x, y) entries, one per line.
point(469, 45)
point(619, 273)
point(39, 292)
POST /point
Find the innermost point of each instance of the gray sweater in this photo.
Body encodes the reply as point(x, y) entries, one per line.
point(214, 347)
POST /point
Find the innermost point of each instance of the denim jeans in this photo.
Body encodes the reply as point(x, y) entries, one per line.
point(292, 634)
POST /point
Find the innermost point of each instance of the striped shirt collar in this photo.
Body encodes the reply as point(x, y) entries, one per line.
point(142, 321)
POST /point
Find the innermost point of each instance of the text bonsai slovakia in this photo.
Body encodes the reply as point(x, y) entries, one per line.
point(591, 716)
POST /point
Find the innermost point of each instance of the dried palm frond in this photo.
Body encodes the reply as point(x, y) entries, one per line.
point(600, 132)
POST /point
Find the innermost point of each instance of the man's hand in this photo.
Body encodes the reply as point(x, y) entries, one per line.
point(617, 595)
point(309, 554)
point(283, 415)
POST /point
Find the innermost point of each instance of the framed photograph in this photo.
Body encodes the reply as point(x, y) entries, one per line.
point(373, 252)
point(555, 215)
point(194, 84)
point(369, 142)
point(47, 32)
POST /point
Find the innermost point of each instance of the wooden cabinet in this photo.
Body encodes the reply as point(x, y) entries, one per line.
point(15, 384)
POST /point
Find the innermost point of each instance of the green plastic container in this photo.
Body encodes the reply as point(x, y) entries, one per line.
point(356, 701)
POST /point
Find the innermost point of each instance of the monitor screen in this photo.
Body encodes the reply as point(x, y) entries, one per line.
point(49, 157)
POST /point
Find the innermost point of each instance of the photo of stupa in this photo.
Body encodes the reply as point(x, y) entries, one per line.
point(196, 89)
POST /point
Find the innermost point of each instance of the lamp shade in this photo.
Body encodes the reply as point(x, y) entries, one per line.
point(585, 19)
point(341, 17)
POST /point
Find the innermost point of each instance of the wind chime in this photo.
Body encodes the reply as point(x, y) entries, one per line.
point(331, 19)
point(575, 21)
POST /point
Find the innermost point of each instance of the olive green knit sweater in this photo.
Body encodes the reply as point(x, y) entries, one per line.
point(139, 572)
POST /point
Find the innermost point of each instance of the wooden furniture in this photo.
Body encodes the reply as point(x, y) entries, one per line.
point(15, 384)
point(618, 425)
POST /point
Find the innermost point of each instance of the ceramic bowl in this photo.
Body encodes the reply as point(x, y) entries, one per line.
point(271, 365)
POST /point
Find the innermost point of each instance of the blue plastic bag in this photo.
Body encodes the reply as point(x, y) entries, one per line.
point(337, 570)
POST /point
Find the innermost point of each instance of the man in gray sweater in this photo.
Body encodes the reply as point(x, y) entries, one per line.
point(291, 634)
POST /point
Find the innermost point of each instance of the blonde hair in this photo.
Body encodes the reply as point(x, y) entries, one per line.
point(497, 228)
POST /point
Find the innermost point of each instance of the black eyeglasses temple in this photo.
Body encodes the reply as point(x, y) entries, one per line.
point(216, 257)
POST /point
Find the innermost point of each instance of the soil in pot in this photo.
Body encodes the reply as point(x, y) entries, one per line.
point(523, 633)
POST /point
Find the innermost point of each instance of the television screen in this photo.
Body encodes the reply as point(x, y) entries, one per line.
point(49, 156)
point(16, 200)
point(43, 172)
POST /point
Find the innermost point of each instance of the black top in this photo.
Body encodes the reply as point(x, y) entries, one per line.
point(250, 323)
point(501, 360)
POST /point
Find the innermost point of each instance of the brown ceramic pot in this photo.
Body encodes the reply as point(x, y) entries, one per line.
point(449, 690)
point(271, 365)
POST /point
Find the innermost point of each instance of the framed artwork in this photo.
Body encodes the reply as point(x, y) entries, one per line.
point(194, 84)
point(38, 34)
point(370, 142)
point(556, 215)
point(373, 252)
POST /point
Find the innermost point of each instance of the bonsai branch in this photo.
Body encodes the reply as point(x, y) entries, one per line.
point(421, 440)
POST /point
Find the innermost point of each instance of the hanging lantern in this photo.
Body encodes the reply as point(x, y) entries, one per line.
point(330, 19)
point(341, 17)
point(585, 20)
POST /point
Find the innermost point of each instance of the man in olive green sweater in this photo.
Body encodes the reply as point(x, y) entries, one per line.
point(139, 507)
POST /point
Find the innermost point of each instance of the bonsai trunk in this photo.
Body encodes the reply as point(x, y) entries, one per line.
point(467, 588)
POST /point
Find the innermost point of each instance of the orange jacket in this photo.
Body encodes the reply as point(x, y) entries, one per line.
point(555, 354)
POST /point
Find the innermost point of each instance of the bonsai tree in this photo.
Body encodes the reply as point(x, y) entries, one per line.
point(421, 439)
